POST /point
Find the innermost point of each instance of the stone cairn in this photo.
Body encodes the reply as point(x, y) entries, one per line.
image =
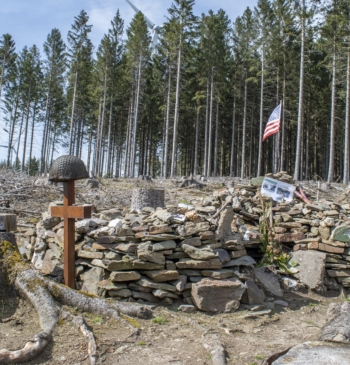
point(201, 254)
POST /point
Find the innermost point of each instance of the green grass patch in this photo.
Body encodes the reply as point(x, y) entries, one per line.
point(142, 343)
point(159, 320)
point(97, 319)
point(260, 357)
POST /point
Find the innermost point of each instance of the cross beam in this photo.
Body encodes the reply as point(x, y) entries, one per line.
point(69, 213)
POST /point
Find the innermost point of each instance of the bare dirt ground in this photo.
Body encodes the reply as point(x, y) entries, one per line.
point(172, 337)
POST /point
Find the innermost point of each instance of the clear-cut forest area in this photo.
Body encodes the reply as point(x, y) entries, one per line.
point(179, 193)
point(196, 103)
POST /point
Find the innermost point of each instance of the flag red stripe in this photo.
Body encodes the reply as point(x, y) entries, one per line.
point(272, 131)
point(269, 134)
point(277, 125)
point(272, 127)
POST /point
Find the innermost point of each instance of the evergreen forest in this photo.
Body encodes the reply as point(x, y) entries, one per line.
point(197, 104)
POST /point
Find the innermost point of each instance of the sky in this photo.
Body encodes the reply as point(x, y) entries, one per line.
point(30, 21)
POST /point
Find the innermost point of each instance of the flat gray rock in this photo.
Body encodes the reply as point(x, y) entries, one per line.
point(241, 261)
point(269, 281)
point(311, 268)
point(312, 353)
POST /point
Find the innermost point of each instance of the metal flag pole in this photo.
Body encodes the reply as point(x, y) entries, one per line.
point(282, 139)
point(278, 164)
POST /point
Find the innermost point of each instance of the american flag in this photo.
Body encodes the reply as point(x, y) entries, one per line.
point(273, 124)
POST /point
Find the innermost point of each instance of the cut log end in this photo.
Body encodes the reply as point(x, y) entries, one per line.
point(142, 197)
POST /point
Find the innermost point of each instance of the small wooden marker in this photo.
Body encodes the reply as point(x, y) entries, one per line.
point(67, 169)
point(69, 213)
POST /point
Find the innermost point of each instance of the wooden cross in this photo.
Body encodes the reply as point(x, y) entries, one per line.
point(69, 213)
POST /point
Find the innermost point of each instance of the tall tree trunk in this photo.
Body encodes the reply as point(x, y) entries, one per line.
point(110, 136)
point(347, 121)
point(26, 130)
point(244, 124)
point(233, 131)
point(71, 147)
point(261, 110)
point(167, 119)
point(11, 133)
point(332, 132)
point(210, 122)
point(32, 139)
point(195, 163)
point(89, 151)
point(19, 138)
point(176, 116)
point(128, 136)
point(97, 150)
point(205, 162)
point(53, 148)
point(137, 101)
point(43, 144)
point(301, 96)
point(216, 138)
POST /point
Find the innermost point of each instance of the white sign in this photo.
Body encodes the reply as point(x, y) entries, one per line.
point(277, 190)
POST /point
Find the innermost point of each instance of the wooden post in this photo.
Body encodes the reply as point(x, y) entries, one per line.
point(69, 213)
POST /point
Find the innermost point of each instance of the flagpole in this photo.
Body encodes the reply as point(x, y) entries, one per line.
point(282, 142)
point(278, 164)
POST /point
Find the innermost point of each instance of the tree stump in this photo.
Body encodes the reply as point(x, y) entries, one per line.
point(143, 197)
point(8, 222)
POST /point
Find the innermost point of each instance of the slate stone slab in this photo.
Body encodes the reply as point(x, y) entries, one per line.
point(341, 233)
point(312, 353)
point(211, 295)
point(269, 280)
point(311, 268)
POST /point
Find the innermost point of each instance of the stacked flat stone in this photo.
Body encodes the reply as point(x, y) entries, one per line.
point(157, 256)
point(165, 254)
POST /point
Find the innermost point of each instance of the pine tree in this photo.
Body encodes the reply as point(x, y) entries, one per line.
point(80, 49)
point(55, 67)
point(7, 58)
point(184, 21)
point(138, 55)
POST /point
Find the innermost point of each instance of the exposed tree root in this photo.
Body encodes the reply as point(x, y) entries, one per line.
point(80, 323)
point(47, 298)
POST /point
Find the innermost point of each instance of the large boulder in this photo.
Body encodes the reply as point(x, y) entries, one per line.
point(212, 295)
point(311, 268)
